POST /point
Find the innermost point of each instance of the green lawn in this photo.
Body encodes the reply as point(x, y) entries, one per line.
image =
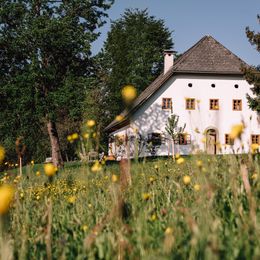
point(83, 214)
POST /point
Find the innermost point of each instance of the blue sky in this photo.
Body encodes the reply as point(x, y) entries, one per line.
point(190, 20)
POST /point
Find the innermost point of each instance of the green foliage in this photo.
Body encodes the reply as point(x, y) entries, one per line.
point(165, 218)
point(45, 61)
point(252, 74)
point(172, 127)
point(133, 54)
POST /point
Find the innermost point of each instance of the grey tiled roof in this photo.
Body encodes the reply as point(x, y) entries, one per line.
point(207, 56)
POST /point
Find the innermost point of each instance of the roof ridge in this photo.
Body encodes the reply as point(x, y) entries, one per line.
point(185, 55)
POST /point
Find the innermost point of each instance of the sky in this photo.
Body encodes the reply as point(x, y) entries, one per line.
point(190, 20)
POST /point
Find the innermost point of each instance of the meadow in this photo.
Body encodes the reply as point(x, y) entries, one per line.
point(199, 207)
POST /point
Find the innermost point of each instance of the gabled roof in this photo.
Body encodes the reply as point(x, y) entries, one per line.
point(207, 56)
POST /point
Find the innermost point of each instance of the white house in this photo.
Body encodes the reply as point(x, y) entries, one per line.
point(206, 89)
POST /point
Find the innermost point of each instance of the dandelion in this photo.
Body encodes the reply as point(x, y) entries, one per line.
point(199, 163)
point(119, 118)
point(153, 217)
point(90, 123)
point(32, 162)
point(151, 179)
point(129, 93)
point(74, 136)
point(156, 167)
point(114, 178)
point(86, 136)
point(203, 140)
point(180, 160)
point(38, 197)
point(90, 205)
point(50, 169)
point(168, 231)
point(186, 179)
point(94, 135)
point(254, 147)
point(69, 138)
point(254, 176)
point(84, 228)
point(177, 156)
point(236, 131)
point(72, 199)
point(197, 187)
point(2, 153)
point(96, 167)
point(21, 195)
point(146, 196)
point(38, 173)
point(6, 197)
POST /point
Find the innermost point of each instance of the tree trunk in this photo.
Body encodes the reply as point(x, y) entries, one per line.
point(173, 152)
point(55, 144)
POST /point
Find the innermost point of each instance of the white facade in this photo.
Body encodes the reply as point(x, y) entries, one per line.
point(207, 71)
point(151, 118)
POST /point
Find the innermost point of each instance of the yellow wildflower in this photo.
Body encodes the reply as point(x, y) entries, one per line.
point(177, 155)
point(254, 147)
point(38, 197)
point(21, 195)
point(96, 167)
point(153, 217)
point(86, 135)
point(180, 160)
point(75, 136)
point(72, 199)
point(146, 196)
point(2, 153)
point(114, 178)
point(236, 131)
point(186, 179)
point(50, 169)
point(69, 138)
point(129, 93)
point(32, 162)
point(197, 187)
point(84, 228)
point(151, 179)
point(90, 123)
point(156, 167)
point(254, 176)
point(119, 118)
point(38, 173)
point(6, 197)
point(168, 231)
point(199, 163)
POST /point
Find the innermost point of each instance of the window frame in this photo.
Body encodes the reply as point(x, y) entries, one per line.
point(228, 140)
point(256, 137)
point(186, 139)
point(214, 100)
point(233, 105)
point(187, 100)
point(166, 99)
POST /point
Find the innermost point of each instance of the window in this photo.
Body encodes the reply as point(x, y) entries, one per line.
point(228, 140)
point(155, 139)
point(213, 85)
point(213, 104)
point(237, 104)
point(190, 103)
point(183, 139)
point(190, 85)
point(166, 103)
point(255, 139)
point(236, 86)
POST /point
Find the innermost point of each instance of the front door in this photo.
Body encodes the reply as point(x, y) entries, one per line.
point(211, 139)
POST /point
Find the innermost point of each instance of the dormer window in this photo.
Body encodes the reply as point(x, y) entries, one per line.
point(228, 140)
point(237, 104)
point(166, 103)
point(255, 139)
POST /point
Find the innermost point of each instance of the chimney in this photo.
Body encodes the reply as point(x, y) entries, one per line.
point(168, 59)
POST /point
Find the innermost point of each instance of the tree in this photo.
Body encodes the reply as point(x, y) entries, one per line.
point(133, 54)
point(45, 47)
point(174, 130)
point(252, 74)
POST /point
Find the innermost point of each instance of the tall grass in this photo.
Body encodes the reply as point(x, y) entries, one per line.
point(156, 215)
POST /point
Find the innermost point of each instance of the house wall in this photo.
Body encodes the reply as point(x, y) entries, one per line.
point(151, 118)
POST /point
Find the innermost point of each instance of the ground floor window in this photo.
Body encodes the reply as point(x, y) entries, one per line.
point(154, 138)
point(228, 140)
point(255, 139)
point(183, 139)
